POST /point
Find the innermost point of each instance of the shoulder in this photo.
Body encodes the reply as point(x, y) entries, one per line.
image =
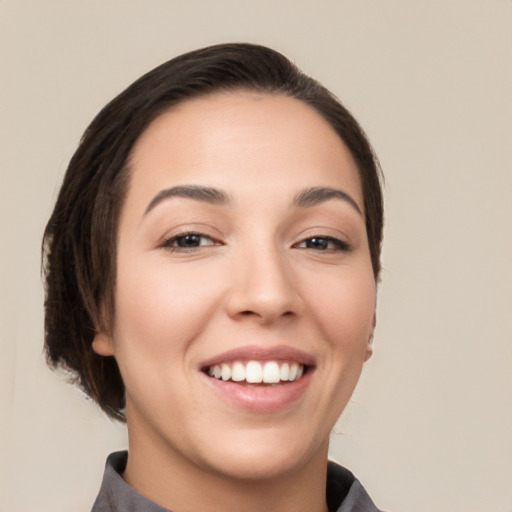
point(116, 495)
point(345, 493)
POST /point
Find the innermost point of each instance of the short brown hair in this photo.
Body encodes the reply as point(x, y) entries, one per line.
point(79, 244)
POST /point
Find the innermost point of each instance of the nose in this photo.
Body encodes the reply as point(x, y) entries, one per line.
point(264, 287)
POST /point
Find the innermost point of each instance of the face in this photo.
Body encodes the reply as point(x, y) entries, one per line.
point(245, 294)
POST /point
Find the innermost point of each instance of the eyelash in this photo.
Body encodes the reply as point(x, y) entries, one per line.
point(168, 243)
point(328, 243)
point(336, 244)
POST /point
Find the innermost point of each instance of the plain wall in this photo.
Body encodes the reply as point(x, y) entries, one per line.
point(430, 425)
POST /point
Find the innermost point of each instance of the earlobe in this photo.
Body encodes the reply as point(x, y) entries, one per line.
point(369, 343)
point(103, 345)
point(369, 350)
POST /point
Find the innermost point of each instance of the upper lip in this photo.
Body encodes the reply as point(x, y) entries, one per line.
point(258, 353)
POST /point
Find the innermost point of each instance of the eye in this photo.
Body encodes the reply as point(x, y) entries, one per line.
point(323, 243)
point(188, 241)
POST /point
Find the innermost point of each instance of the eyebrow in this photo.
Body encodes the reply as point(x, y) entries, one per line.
point(197, 192)
point(317, 195)
point(305, 199)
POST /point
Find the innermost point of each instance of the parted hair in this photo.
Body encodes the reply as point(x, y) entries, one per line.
point(79, 243)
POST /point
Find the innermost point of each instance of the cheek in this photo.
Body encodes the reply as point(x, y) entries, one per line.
point(160, 311)
point(160, 308)
point(345, 308)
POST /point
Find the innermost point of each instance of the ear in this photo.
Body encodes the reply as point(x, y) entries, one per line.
point(103, 345)
point(369, 343)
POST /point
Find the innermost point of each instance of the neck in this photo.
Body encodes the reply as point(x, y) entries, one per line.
point(165, 477)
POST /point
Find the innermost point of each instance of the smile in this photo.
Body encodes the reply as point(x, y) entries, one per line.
point(259, 379)
point(255, 372)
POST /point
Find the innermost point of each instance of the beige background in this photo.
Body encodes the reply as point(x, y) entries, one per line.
point(430, 426)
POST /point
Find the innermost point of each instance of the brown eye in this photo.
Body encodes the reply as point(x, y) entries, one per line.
point(188, 241)
point(317, 243)
point(323, 243)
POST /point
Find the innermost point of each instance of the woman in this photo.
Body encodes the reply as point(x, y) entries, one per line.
point(211, 269)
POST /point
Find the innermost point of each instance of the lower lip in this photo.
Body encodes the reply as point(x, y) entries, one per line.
point(262, 399)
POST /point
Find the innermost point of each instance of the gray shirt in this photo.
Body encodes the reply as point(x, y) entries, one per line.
point(344, 492)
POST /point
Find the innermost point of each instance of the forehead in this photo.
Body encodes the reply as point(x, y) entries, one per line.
point(242, 139)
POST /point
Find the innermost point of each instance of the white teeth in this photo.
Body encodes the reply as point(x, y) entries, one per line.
point(285, 371)
point(271, 373)
point(254, 372)
point(238, 372)
point(293, 371)
point(226, 372)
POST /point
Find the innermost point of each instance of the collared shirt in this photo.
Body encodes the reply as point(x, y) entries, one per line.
point(344, 492)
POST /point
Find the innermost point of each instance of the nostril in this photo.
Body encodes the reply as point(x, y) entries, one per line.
point(249, 312)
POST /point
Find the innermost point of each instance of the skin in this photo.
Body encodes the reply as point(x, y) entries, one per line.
point(255, 279)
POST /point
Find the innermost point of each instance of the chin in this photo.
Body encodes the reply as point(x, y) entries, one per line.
point(259, 457)
point(259, 467)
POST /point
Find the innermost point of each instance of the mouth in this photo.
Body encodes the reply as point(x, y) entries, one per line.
point(260, 380)
point(257, 372)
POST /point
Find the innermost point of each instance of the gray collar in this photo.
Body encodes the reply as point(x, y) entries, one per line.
point(344, 492)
